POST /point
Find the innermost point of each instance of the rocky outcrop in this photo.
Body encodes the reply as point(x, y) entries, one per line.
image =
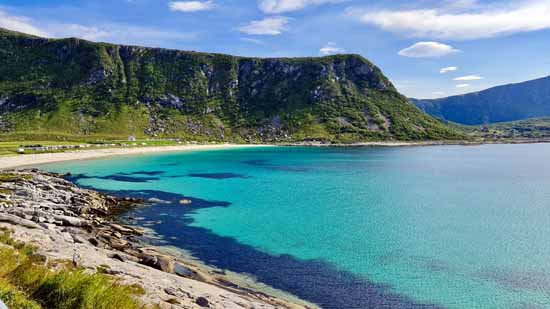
point(68, 222)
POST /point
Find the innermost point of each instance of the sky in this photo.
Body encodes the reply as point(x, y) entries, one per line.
point(427, 48)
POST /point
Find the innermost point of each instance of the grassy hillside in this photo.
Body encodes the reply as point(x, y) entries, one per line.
point(60, 87)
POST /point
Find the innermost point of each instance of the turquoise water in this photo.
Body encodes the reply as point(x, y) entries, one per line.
point(450, 226)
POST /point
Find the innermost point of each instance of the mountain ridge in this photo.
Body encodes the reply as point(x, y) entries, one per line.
point(504, 103)
point(80, 87)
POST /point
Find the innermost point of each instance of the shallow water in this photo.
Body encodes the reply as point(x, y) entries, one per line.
point(447, 226)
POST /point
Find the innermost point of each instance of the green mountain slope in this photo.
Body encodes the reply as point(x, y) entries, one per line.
point(499, 104)
point(72, 86)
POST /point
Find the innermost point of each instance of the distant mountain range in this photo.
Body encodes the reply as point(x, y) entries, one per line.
point(511, 102)
point(81, 88)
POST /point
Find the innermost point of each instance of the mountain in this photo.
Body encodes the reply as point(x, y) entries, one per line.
point(76, 87)
point(499, 104)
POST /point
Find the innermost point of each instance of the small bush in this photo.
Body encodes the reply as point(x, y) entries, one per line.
point(14, 298)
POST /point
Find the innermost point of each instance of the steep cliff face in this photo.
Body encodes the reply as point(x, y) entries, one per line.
point(78, 87)
point(530, 99)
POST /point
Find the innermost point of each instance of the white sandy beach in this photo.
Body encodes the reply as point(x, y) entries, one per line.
point(15, 161)
point(8, 162)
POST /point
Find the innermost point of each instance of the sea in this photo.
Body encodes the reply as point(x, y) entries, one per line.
point(353, 227)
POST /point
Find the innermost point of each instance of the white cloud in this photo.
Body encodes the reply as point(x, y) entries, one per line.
point(462, 85)
point(80, 31)
point(458, 5)
point(119, 33)
point(283, 6)
point(191, 6)
point(447, 70)
point(438, 93)
point(331, 49)
point(251, 40)
point(267, 26)
point(21, 24)
point(488, 21)
point(468, 78)
point(427, 49)
point(405, 84)
point(114, 33)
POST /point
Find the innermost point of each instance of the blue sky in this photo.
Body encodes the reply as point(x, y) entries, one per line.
point(427, 48)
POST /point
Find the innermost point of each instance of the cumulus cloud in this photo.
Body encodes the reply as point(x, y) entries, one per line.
point(283, 6)
point(447, 70)
point(462, 85)
point(191, 6)
point(267, 26)
point(468, 78)
point(469, 23)
point(427, 50)
point(21, 24)
point(331, 49)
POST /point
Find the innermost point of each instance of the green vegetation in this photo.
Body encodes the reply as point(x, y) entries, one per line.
point(28, 281)
point(71, 143)
point(6, 191)
point(14, 298)
point(10, 148)
point(8, 177)
point(58, 89)
point(530, 129)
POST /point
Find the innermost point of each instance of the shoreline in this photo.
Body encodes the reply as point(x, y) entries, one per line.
point(25, 160)
point(28, 160)
point(65, 222)
point(239, 284)
point(422, 143)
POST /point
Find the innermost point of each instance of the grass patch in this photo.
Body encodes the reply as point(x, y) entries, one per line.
point(20, 247)
point(9, 177)
point(10, 147)
point(6, 191)
point(76, 289)
point(535, 128)
point(25, 282)
point(13, 298)
point(173, 301)
point(102, 269)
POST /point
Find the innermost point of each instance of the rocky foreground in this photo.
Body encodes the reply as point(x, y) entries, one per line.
point(67, 222)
